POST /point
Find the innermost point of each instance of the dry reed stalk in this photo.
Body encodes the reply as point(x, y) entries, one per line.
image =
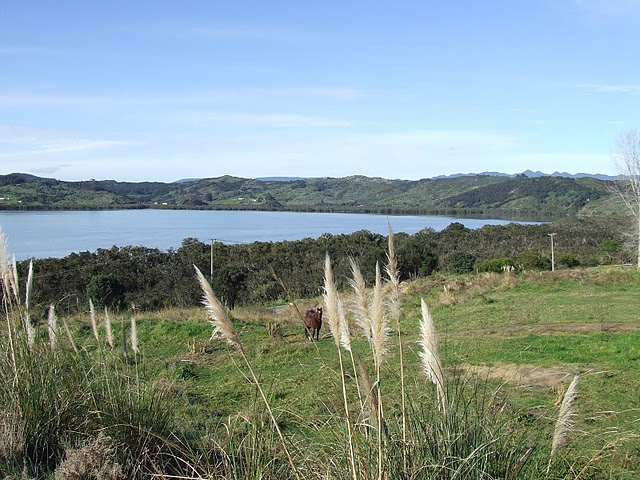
point(223, 326)
point(396, 314)
point(333, 308)
point(361, 306)
point(564, 421)
point(108, 328)
point(52, 324)
point(430, 356)
point(370, 404)
point(94, 322)
point(69, 335)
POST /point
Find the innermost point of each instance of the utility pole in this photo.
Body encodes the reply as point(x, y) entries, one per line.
point(553, 260)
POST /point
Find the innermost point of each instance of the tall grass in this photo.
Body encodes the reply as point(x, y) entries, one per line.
point(74, 407)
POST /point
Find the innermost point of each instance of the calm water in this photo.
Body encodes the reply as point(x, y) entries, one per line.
point(57, 234)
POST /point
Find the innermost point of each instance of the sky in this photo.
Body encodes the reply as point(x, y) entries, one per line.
point(165, 90)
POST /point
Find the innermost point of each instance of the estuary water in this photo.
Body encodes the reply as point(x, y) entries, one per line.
point(58, 233)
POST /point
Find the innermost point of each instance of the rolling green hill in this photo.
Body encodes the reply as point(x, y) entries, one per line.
point(478, 194)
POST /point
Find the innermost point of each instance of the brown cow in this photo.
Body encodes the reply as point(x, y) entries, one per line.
point(313, 322)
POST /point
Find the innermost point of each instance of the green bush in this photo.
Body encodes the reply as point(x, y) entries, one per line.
point(567, 260)
point(495, 265)
point(106, 290)
point(462, 262)
point(533, 259)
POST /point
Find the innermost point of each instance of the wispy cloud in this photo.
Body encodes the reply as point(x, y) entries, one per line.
point(609, 8)
point(18, 143)
point(219, 32)
point(28, 50)
point(276, 120)
point(194, 97)
point(630, 89)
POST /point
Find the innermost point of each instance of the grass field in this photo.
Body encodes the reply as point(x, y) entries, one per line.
point(510, 345)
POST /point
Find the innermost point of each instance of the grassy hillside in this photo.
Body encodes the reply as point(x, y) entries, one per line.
point(510, 345)
point(473, 194)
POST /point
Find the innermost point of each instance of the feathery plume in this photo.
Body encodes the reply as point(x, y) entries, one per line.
point(429, 354)
point(14, 280)
point(134, 335)
point(217, 313)
point(69, 335)
point(52, 323)
point(31, 332)
point(564, 421)
point(394, 278)
point(28, 285)
point(331, 302)
point(379, 322)
point(361, 311)
point(4, 262)
point(94, 322)
point(345, 334)
point(109, 329)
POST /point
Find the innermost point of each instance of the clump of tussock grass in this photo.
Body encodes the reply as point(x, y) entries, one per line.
point(54, 395)
point(94, 461)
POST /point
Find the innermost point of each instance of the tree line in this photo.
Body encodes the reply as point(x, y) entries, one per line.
point(151, 279)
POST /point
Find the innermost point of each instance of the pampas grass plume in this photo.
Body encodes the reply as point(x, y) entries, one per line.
point(217, 313)
point(52, 323)
point(109, 329)
point(331, 301)
point(361, 310)
point(429, 355)
point(134, 335)
point(564, 421)
point(379, 322)
point(94, 322)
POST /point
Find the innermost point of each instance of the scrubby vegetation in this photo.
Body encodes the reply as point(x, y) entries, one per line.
point(425, 378)
point(152, 279)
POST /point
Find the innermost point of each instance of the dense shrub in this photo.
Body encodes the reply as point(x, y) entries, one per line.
point(495, 265)
point(462, 262)
point(567, 260)
point(106, 290)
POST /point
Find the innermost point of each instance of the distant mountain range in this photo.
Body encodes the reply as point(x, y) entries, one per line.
point(526, 173)
point(536, 174)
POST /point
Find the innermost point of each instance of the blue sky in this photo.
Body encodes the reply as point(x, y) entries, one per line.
point(164, 90)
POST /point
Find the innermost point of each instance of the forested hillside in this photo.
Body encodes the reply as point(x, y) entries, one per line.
point(480, 194)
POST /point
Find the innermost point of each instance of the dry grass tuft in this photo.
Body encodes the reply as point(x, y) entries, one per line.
point(94, 461)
